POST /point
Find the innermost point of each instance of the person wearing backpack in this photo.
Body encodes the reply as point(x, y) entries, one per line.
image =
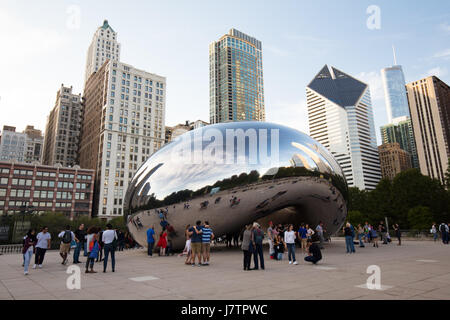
point(257, 240)
point(66, 237)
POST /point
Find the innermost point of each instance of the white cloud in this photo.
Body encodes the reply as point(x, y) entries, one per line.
point(300, 37)
point(445, 27)
point(437, 71)
point(277, 51)
point(373, 79)
point(291, 114)
point(445, 54)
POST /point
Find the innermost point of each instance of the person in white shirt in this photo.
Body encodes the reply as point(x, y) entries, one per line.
point(66, 237)
point(108, 238)
point(43, 243)
point(270, 238)
point(289, 240)
point(309, 232)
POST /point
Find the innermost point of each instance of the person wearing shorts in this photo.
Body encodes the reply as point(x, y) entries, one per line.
point(196, 242)
point(66, 237)
point(207, 236)
point(302, 234)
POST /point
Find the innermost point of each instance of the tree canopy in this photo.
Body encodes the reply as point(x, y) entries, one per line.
point(395, 199)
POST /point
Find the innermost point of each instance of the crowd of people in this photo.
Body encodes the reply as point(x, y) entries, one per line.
point(197, 247)
point(98, 245)
point(281, 238)
point(370, 234)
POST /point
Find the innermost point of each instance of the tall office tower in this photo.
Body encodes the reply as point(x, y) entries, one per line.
point(62, 133)
point(236, 79)
point(104, 46)
point(13, 145)
point(429, 103)
point(34, 143)
point(124, 112)
point(393, 160)
point(340, 118)
point(395, 92)
point(401, 132)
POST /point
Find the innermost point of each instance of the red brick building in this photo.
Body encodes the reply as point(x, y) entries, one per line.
point(46, 188)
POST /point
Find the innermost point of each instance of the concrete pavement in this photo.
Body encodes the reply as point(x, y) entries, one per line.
point(415, 270)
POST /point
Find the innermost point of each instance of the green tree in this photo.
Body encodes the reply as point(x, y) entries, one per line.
point(412, 189)
point(420, 218)
point(356, 217)
point(447, 176)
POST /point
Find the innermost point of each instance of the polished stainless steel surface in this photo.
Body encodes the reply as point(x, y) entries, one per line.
point(232, 174)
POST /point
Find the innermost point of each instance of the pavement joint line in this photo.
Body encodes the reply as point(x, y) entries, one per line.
point(427, 261)
point(383, 287)
point(325, 268)
point(144, 278)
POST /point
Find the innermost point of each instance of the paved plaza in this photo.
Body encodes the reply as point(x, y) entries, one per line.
point(415, 270)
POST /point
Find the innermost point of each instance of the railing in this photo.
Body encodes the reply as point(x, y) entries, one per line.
point(409, 234)
point(11, 248)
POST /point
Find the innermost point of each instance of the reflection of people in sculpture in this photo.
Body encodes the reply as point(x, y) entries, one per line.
point(204, 204)
point(139, 224)
point(235, 201)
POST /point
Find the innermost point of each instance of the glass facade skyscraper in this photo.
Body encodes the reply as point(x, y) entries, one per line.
point(399, 129)
point(401, 132)
point(341, 119)
point(395, 92)
point(236, 78)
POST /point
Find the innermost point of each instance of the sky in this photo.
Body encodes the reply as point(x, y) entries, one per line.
point(44, 44)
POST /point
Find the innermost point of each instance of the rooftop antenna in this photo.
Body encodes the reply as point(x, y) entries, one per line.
point(395, 56)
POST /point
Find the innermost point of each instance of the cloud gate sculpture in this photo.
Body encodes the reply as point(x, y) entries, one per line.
point(232, 174)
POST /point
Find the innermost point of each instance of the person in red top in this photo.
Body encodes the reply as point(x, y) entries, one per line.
point(162, 243)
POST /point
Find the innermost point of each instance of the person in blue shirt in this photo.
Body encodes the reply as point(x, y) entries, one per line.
point(303, 237)
point(150, 240)
point(196, 242)
point(207, 236)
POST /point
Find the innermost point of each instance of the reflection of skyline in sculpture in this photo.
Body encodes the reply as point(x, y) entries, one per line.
point(305, 185)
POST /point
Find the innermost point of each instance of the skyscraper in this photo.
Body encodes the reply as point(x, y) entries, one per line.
point(25, 147)
point(393, 160)
point(395, 92)
point(399, 129)
point(62, 133)
point(401, 132)
point(236, 78)
point(341, 118)
point(103, 46)
point(429, 102)
point(124, 112)
point(34, 143)
point(12, 145)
